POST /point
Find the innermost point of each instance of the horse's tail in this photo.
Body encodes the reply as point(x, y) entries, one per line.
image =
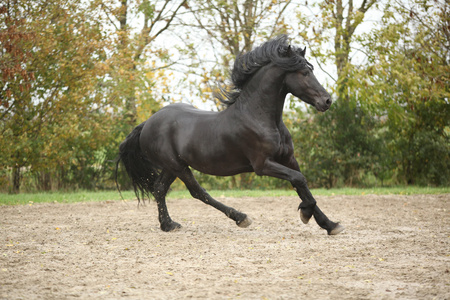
point(142, 172)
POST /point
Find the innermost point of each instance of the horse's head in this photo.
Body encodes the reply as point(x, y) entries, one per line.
point(303, 84)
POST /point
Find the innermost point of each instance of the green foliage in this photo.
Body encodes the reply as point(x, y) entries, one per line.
point(60, 118)
point(147, 8)
point(76, 76)
point(338, 148)
point(390, 121)
point(69, 92)
point(409, 67)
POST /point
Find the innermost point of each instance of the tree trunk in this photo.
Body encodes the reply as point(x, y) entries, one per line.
point(16, 180)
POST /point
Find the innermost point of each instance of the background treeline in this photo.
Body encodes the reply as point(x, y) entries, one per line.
point(77, 76)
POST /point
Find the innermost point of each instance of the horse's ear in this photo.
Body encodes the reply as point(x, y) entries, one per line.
point(303, 52)
point(285, 51)
point(289, 51)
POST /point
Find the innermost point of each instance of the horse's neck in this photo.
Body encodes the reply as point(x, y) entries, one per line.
point(264, 95)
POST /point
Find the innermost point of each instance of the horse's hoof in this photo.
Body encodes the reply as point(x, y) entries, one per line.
point(245, 223)
point(304, 219)
point(338, 229)
point(173, 226)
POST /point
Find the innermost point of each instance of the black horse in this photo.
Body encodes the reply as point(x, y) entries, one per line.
point(248, 136)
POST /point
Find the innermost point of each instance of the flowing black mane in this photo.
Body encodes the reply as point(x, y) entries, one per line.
point(277, 51)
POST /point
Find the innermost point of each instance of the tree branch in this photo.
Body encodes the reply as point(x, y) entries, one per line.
point(145, 37)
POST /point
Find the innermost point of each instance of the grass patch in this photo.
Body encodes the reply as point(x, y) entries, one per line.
point(62, 197)
point(399, 190)
point(87, 196)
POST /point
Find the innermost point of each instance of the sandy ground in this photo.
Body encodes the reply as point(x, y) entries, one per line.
point(394, 247)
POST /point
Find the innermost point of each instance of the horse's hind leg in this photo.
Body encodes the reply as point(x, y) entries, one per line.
point(198, 192)
point(160, 191)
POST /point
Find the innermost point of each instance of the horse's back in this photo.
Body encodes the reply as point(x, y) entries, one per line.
point(179, 109)
point(167, 131)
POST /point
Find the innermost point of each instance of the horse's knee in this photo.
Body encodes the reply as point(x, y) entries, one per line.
point(300, 182)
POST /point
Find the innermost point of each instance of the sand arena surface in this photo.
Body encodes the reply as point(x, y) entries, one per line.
point(394, 247)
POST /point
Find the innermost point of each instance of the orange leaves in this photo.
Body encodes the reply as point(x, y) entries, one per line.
point(16, 42)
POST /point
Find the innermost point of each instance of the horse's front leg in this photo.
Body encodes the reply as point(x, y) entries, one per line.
point(308, 206)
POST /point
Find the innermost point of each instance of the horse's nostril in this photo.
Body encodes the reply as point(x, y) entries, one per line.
point(328, 102)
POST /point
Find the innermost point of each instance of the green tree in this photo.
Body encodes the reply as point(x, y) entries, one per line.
point(391, 114)
point(134, 48)
point(52, 102)
point(15, 54)
point(409, 79)
point(74, 76)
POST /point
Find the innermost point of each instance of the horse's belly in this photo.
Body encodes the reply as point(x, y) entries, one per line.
point(221, 167)
point(214, 155)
